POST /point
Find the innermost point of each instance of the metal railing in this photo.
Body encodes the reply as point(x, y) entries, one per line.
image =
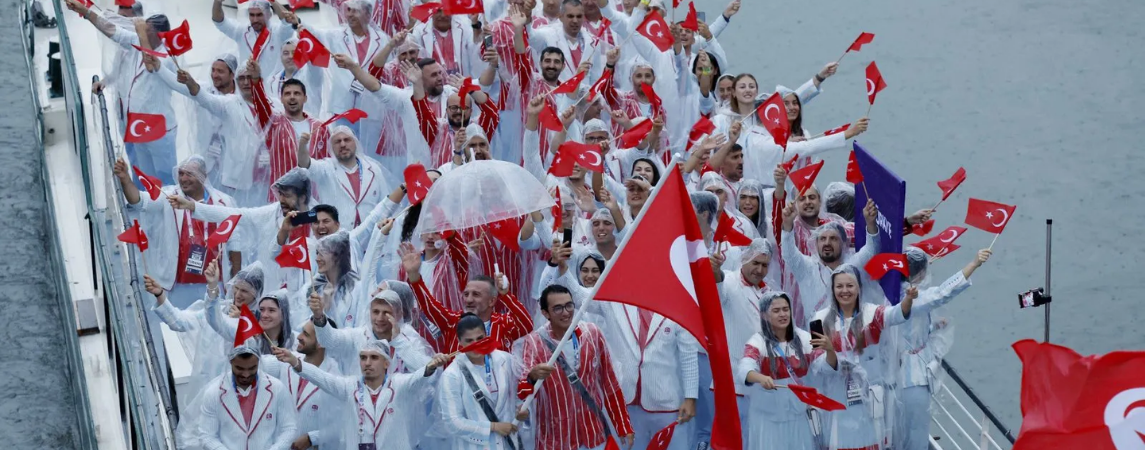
point(960, 427)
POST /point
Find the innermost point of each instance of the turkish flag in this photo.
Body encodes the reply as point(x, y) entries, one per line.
point(662, 438)
point(1069, 401)
point(611, 444)
point(310, 49)
point(294, 254)
point(875, 82)
point(989, 216)
point(223, 231)
point(417, 183)
point(507, 231)
point(178, 40)
point(726, 232)
point(143, 128)
point(666, 244)
point(125, 3)
point(422, 12)
point(570, 85)
point(949, 185)
point(635, 135)
point(837, 130)
point(691, 21)
point(467, 87)
point(149, 182)
point(773, 116)
point(248, 326)
point(700, 128)
point(935, 245)
point(654, 101)
point(790, 164)
point(454, 7)
point(864, 38)
point(549, 118)
point(922, 229)
point(352, 115)
point(484, 346)
point(604, 26)
point(259, 44)
point(588, 156)
point(882, 263)
point(134, 235)
point(812, 397)
point(599, 85)
point(296, 4)
point(150, 51)
point(803, 178)
point(854, 175)
point(563, 164)
point(656, 30)
point(556, 210)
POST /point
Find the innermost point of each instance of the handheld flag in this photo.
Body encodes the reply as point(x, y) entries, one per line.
point(417, 183)
point(691, 21)
point(875, 82)
point(178, 40)
point(726, 232)
point(883, 263)
point(989, 216)
point(484, 346)
point(864, 38)
point(143, 128)
point(248, 326)
point(570, 85)
point(134, 235)
point(656, 30)
point(507, 231)
point(352, 115)
point(223, 231)
point(804, 178)
point(854, 175)
point(811, 396)
point(294, 254)
point(149, 182)
point(635, 135)
point(949, 185)
point(773, 116)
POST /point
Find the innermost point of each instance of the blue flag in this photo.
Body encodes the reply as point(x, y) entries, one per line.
point(889, 193)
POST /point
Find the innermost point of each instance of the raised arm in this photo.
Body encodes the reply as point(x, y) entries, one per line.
point(437, 313)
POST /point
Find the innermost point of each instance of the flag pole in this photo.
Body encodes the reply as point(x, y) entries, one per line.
point(868, 114)
point(991, 247)
point(935, 207)
point(143, 256)
point(592, 295)
point(841, 56)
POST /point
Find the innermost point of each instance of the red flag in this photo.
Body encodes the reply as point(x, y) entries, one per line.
point(864, 38)
point(570, 85)
point(656, 30)
point(556, 211)
point(812, 397)
point(599, 85)
point(875, 82)
point(805, 177)
point(150, 183)
point(353, 115)
point(700, 128)
point(248, 326)
point(837, 130)
point(563, 164)
point(467, 87)
point(611, 444)
point(223, 231)
point(417, 183)
point(549, 118)
point(259, 44)
point(635, 135)
point(310, 49)
point(790, 164)
point(854, 175)
point(676, 3)
point(922, 229)
point(946, 251)
point(1068, 401)
point(484, 346)
point(604, 24)
point(654, 101)
point(178, 40)
point(134, 235)
point(294, 254)
point(662, 438)
point(935, 245)
point(588, 156)
point(150, 51)
point(87, 4)
point(691, 22)
point(882, 263)
point(454, 7)
point(296, 4)
point(142, 128)
point(773, 116)
point(666, 244)
point(949, 185)
point(422, 12)
point(507, 231)
point(988, 216)
point(726, 232)
point(125, 3)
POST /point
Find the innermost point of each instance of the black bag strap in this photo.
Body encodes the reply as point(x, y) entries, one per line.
point(578, 386)
point(483, 401)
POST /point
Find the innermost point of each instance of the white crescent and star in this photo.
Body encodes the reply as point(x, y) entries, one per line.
point(302, 258)
point(594, 154)
point(767, 113)
point(225, 227)
point(1125, 418)
point(134, 131)
point(895, 263)
point(953, 236)
point(471, 4)
point(175, 42)
point(870, 87)
point(246, 320)
point(1005, 217)
point(682, 254)
point(648, 29)
point(310, 45)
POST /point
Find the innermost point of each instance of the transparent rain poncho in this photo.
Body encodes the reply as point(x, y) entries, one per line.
point(342, 302)
point(839, 199)
point(761, 219)
point(479, 193)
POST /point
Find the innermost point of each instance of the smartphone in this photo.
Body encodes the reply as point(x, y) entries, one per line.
point(701, 16)
point(568, 236)
point(304, 218)
point(816, 327)
point(488, 41)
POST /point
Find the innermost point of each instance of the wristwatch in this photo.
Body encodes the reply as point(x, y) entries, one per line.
point(819, 78)
point(476, 25)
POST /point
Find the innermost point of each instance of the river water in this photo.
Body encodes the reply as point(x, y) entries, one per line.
point(1038, 100)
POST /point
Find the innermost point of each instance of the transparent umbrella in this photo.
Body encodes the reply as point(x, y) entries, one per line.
point(481, 192)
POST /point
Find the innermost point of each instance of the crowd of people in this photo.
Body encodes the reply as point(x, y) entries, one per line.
point(275, 141)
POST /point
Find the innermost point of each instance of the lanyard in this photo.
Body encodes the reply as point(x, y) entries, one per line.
point(783, 357)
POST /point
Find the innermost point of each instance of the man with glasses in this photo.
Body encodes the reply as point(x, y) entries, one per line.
point(581, 389)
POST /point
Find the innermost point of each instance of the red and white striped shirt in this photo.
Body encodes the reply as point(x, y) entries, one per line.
point(564, 421)
point(627, 101)
point(439, 134)
point(506, 327)
point(281, 141)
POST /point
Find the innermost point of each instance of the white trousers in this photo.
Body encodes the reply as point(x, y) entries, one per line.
point(646, 424)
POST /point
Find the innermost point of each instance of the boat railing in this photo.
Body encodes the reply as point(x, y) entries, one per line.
point(148, 412)
point(962, 421)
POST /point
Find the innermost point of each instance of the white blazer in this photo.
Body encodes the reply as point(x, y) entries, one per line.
point(466, 53)
point(269, 60)
point(312, 404)
point(554, 36)
point(163, 226)
point(666, 367)
point(411, 351)
point(147, 92)
point(342, 40)
point(332, 185)
point(272, 427)
point(230, 118)
point(462, 417)
point(259, 235)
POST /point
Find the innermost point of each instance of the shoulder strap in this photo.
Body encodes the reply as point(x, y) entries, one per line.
point(578, 386)
point(483, 401)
